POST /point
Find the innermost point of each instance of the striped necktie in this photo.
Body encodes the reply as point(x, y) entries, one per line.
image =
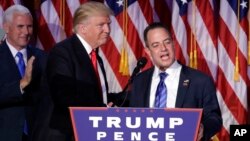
point(161, 92)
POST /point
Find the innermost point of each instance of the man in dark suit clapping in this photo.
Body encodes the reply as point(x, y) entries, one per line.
point(21, 69)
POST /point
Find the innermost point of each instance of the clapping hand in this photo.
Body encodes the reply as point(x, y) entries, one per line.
point(28, 73)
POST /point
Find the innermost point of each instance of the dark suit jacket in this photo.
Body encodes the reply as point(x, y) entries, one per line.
point(15, 107)
point(72, 81)
point(199, 92)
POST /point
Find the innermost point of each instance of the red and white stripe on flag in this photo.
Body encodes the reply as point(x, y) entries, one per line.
point(216, 44)
point(213, 31)
point(4, 4)
point(232, 38)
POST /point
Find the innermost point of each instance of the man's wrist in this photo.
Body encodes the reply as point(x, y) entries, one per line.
point(23, 84)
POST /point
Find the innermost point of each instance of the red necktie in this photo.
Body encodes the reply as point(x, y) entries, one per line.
point(94, 62)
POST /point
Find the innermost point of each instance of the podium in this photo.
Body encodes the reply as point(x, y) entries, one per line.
point(135, 124)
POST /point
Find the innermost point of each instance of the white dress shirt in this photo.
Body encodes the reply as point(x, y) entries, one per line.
point(88, 48)
point(14, 52)
point(172, 82)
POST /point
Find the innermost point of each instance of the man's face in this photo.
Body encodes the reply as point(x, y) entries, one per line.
point(97, 30)
point(19, 30)
point(160, 48)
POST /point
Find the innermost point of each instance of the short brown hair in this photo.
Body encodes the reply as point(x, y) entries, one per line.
point(88, 9)
point(154, 26)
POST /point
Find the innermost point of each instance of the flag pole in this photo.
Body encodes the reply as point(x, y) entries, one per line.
point(124, 67)
point(248, 49)
point(121, 66)
point(236, 68)
point(191, 55)
point(62, 13)
point(194, 28)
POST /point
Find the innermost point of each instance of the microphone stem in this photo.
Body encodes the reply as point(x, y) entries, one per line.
point(126, 87)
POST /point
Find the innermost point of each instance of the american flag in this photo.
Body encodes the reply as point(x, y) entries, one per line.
point(4, 4)
point(210, 35)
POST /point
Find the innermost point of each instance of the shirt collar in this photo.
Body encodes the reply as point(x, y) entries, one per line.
point(171, 70)
point(87, 47)
point(14, 51)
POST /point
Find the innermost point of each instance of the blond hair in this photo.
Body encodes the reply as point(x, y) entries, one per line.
point(88, 9)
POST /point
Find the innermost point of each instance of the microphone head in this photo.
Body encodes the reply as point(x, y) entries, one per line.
point(142, 62)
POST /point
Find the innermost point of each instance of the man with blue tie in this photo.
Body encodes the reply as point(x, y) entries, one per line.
point(21, 68)
point(168, 84)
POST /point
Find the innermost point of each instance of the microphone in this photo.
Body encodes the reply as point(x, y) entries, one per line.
point(140, 64)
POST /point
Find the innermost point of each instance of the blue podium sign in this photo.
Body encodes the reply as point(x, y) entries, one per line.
point(135, 124)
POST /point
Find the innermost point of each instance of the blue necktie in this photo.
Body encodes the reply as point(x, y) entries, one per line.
point(20, 63)
point(161, 92)
point(21, 67)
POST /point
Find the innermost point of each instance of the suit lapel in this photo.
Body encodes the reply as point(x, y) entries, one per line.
point(9, 64)
point(100, 62)
point(182, 87)
point(29, 52)
point(36, 65)
point(85, 61)
point(147, 87)
point(83, 58)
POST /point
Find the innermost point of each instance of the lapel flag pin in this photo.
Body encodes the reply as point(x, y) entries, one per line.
point(185, 82)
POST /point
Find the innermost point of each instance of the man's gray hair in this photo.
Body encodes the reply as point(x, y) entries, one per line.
point(14, 9)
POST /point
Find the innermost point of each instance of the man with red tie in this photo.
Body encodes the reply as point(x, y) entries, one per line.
point(75, 71)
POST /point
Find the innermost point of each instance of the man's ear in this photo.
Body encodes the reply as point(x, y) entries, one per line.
point(81, 28)
point(6, 27)
point(84, 28)
point(2, 34)
point(146, 49)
